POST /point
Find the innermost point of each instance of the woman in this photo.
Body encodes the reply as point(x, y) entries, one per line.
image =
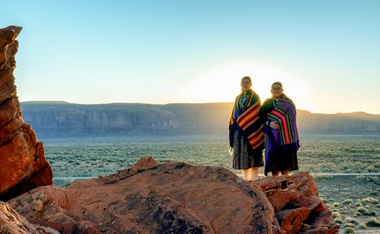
point(245, 132)
point(282, 141)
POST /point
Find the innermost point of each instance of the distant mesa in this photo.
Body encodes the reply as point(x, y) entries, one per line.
point(67, 119)
point(22, 159)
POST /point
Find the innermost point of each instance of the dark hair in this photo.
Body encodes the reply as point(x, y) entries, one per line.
point(277, 83)
point(246, 78)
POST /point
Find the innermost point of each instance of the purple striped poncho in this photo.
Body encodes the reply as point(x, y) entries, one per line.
point(282, 144)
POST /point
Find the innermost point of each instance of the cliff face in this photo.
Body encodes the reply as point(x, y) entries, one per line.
point(68, 119)
point(22, 160)
point(178, 197)
point(60, 119)
point(348, 123)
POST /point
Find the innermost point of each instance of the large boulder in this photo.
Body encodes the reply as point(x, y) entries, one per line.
point(298, 209)
point(22, 159)
point(155, 198)
point(179, 198)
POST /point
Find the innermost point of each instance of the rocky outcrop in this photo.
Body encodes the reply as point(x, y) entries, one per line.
point(298, 208)
point(13, 222)
point(179, 198)
point(22, 160)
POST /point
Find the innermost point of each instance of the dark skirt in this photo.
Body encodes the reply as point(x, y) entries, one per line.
point(244, 157)
point(280, 158)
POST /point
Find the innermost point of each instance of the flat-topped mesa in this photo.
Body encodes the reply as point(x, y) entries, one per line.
point(22, 159)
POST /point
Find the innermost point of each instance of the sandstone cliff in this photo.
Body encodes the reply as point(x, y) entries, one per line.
point(22, 160)
point(72, 119)
point(65, 119)
point(179, 198)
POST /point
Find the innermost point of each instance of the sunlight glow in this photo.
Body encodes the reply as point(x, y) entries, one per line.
point(222, 83)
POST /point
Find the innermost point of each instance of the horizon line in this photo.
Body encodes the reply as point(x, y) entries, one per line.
point(176, 103)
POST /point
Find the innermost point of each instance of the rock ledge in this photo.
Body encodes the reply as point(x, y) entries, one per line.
point(179, 198)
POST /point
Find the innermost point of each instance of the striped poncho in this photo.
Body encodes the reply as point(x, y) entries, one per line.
point(284, 114)
point(282, 144)
point(246, 120)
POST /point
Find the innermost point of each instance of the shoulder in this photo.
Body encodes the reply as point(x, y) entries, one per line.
point(267, 105)
point(287, 100)
point(254, 94)
point(267, 101)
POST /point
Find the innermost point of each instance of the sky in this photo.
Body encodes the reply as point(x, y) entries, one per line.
point(326, 52)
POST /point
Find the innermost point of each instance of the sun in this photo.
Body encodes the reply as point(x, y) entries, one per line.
point(222, 83)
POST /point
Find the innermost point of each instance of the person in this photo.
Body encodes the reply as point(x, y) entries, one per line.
point(280, 127)
point(245, 132)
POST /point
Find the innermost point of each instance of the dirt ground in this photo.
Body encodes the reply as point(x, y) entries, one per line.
point(355, 202)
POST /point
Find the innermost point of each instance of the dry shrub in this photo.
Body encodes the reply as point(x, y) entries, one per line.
point(370, 200)
point(348, 202)
point(349, 230)
point(373, 222)
point(349, 219)
point(362, 226)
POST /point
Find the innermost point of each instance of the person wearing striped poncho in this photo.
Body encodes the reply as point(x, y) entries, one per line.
point(245, 132)
point(280, 127)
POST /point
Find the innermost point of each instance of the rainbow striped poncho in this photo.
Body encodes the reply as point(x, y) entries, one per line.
point(247, 120)
point(282, 144)
point(285, 115)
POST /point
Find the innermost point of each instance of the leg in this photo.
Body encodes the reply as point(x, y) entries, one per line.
point(275, 173)
point(255, 173)
point(247, 174)
point(285, 172)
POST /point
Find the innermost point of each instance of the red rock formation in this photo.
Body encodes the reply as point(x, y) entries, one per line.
point(298, 209)
point(22, 160)
point(12, 222)
point(179, 198)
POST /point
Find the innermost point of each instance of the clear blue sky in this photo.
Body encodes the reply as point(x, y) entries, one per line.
point(326, 52)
